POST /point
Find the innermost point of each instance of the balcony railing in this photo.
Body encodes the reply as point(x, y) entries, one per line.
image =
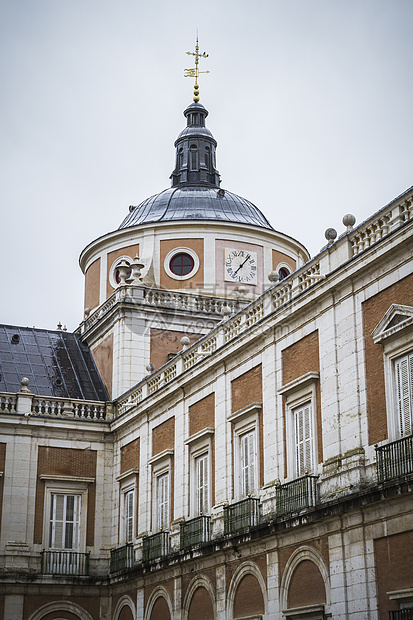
point(195, 531)
point(296, 495)
point(241, 515)
point(401, 614)
point(155, 546)
point(121, 558)
point(395, 459)
point(65, 563)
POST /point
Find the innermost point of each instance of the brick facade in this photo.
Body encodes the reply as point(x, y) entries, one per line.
point(374, 309)
point(165, 343)
point(92, 285)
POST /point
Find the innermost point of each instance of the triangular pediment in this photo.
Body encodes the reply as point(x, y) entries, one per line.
point(397, 319)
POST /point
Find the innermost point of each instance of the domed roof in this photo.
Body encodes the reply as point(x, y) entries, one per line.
point(195, 193)
point(195, 203)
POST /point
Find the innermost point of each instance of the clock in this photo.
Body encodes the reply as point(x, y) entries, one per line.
point(240, 266)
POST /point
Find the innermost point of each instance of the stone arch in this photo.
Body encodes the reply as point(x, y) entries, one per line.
point(253, 581)
point(313, 565)
point(195, 597)
point(158, 602)
point(120, 612)
point(58, 607)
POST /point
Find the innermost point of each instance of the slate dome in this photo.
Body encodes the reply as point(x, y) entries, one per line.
point(195, 193)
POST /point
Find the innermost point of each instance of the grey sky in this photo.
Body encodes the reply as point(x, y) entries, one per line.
point(311, 102)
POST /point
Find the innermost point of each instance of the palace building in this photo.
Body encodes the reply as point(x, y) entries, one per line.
point(228, 433)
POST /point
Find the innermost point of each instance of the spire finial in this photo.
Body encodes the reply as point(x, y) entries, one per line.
point(195, 72)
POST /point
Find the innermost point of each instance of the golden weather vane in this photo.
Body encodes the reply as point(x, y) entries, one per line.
point(195, 71)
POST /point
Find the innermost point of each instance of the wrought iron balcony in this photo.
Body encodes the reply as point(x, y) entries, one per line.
point(395, 459)
point(65, 563)
point(195, 531)
point(401, 614)
point(241, 515)
point(155, 546)
point(121, 558)
point(296, 495)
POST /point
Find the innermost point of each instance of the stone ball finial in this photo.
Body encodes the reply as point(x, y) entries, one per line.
point(150, 367)
point(24, 383)
point(226, 310)
point(349, 220)
point(330, 234)
point(273, 276)
point(242, 290)
point(87, 312)
point(185, 342)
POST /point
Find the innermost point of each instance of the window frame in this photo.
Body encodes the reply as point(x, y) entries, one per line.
point(245, 421)
point(297, 394)
point(396, 338)
point(161, 465)
point(65, 485)
point(172, 254)
point(200, 445)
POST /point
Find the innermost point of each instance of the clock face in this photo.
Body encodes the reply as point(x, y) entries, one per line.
point(240, 266)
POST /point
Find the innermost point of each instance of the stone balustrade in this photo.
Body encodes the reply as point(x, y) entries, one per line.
point(28, 404)
point(310, 274)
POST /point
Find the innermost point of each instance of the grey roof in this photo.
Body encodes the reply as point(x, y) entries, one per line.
point(194, 202)
point(56, 363)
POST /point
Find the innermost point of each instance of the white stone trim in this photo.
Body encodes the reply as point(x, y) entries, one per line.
point(57, 606)
point(127, 474)
point(303, 553)
point(253, 408)
point(200, 435)
point(169, 257)
point(300, 382)
point(124, 601)
point(381, 332)
point(59, 478)
point(165, 454)
point(198, 582)
point(159, 592)
point(246, 568)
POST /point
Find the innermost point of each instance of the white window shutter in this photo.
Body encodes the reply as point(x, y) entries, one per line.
point(129, 517)
point(201, 466)
point(248, 457)
point(163, 501)
point(64, 521)
point(304, 441)
point(404, 393)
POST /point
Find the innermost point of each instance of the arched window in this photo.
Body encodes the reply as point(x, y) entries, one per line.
point(207, 158)
point(283, 273)
point(180, 158)
point(194, 157)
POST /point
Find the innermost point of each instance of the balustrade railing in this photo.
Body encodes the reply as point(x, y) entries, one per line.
point(241, 515)
point(394, 459)
point(401, 614)
point(8, 403)
point(195, 531)
point(155, 546)
point(121, 559)
point(296, 495)
point(62, 407)
point(64, 563)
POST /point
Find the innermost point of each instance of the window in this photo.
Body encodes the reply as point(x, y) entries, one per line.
point(200, 448)
point(403, 372)
point(181, 158)
point(193, 154)
point(300, 422)
point(202, 484)
point(162, 496)
point(128, 505)
point(248, 457)
point(395, 334)
point(64, 532)
point(207, 158)
point(181, 263)
point(303, 439)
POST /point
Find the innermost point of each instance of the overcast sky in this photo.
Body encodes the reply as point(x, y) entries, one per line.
point(311, 102)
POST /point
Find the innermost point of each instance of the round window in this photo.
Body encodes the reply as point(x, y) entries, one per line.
point(181, 264)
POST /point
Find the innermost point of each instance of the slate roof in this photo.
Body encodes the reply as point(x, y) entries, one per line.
point(193, 202)
point(57, 364)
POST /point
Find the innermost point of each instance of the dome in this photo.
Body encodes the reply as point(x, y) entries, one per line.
point(196, 203)
point(195, 193)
